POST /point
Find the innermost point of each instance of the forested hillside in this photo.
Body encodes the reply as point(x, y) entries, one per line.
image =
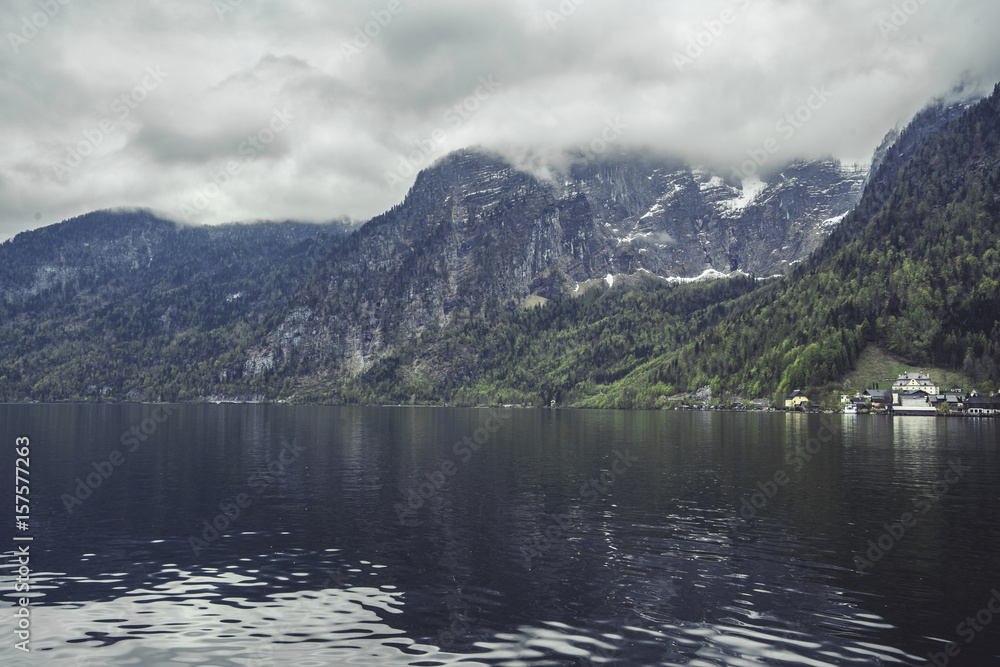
point(568, 351)
point(919, 279)
point(914, 270)
point(476, 233)
point(127, 306)
point(487, 285)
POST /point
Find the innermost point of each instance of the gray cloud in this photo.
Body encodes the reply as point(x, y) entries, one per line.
point(376, 90)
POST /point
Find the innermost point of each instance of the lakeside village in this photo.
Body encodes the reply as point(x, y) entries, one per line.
point(912, 394)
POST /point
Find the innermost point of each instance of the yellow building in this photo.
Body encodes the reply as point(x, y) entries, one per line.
point(913, 382)
point(795, 400)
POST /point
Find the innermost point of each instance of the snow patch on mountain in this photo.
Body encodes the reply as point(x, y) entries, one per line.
point(707, 274)
point(657, 208)
point(714, 182)
point(752, 187)
point(833, 222)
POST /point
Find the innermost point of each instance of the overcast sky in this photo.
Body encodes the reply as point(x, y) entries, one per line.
point(220, 110)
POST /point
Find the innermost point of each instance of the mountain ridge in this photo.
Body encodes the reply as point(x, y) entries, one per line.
point(914, 270)
point(475, 241)
point(475, 233)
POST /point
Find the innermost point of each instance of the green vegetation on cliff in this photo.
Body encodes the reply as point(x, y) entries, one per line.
point(566, 351)
point(914, 270)
point(118, 306)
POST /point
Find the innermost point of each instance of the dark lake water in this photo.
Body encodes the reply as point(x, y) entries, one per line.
point(260, 535)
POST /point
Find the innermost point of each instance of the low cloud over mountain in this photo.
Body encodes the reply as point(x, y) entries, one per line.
point(135, 104)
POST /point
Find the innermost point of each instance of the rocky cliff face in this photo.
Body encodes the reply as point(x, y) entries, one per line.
point(116, 252)
point(111, 303)
point(82, 248)
point(124, 300)
point(473, 233)
point(476, 233)
point(688, 223)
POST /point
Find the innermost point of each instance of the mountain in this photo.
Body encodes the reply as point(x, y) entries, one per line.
point(685, 223)
point(126, 305)
point(914, 271)
point(895, 151)
point(477, 234)
point(433, 300)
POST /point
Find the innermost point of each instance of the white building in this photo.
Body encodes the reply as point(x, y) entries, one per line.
point(913, 382)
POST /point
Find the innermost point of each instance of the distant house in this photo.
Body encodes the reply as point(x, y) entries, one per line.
point(953, 402)
point(880, 398)
point(795, 400)
point(913, 382)
point(917, 402)
point(915, 395)
point(980, 406)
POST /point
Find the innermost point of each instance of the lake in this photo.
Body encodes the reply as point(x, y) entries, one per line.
point(259, 535)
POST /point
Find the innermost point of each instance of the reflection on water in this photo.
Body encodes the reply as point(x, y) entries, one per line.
point(191, 617)
point(207, 617)
point(561, 538)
